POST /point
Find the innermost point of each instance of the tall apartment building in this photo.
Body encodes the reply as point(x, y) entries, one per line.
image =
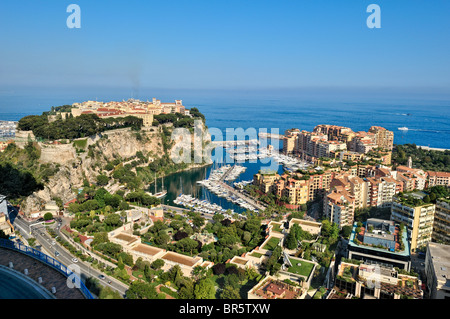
point(356, 186)
point(437, 270)
point(362, 142)
point(339, 207)
point(319, 184)
point(328, 148)
point(305, 144)
point(335, 132)
point(296, 190)
point(417, 216)
point(381, 191)
point(407, 181)
point(264, 182)
point(290, 142)
point(383, 137)
point(441, 224)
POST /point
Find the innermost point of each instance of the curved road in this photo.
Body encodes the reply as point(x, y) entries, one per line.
point(49, 246)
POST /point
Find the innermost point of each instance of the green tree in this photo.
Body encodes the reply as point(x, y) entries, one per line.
point(157, 264)
point(290, 242)
point(230, 292)
point(102, 180)
point(186, 290)
point(346, 231)
point(204, 289)
point(100, 237)
point(199, 272)
point(120, 263)
point(198, 221)
point(113, 220)
point(48, 216)
point(141, 290)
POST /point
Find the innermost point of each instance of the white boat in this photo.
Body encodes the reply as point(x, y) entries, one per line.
point(403, 128)
point(160, 194)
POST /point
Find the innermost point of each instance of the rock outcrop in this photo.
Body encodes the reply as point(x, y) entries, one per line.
point(77, 164)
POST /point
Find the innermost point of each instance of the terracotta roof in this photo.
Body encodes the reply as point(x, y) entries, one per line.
point(273, 288)
point(438, 174)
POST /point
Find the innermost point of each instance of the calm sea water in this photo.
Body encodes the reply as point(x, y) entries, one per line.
point(428, 118)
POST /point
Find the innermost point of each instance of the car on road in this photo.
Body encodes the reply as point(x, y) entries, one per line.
point(56, 253)
point(74, 260)
point(53, 242)
point(101, 277)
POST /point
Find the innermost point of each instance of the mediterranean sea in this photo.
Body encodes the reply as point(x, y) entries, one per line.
point(426, 117)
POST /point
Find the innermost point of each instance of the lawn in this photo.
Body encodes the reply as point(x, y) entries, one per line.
point(276, 227)
point(272, 243)
point(304, 269)
point(255, 254)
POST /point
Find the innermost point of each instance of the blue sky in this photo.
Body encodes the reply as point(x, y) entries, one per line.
point(226, 44)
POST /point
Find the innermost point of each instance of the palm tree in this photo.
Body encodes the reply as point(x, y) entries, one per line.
point(199, 272)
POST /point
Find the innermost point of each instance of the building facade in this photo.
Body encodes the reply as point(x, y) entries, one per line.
point(441, 223)
point(417, 218)
point(437, 270)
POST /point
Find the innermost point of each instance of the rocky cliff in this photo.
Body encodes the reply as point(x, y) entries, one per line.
point(86, 158)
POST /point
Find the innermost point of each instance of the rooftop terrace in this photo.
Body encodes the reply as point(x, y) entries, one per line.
point(181, 259)
point(359, 242)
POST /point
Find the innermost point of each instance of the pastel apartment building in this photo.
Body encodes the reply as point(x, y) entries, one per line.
point(339, 207)
point(438, 178)
point(330, 140)
point(299, 188)
point(412, 177)
point(416, 215)
point(383, 137)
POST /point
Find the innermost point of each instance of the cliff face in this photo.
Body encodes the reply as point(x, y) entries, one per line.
point(96, 152)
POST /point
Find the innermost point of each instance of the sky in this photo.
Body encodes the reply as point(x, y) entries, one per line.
point(179, 44)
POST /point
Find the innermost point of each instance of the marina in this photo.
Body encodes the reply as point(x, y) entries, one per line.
point(288, 162)
point(215, 183)
point(222, 184)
